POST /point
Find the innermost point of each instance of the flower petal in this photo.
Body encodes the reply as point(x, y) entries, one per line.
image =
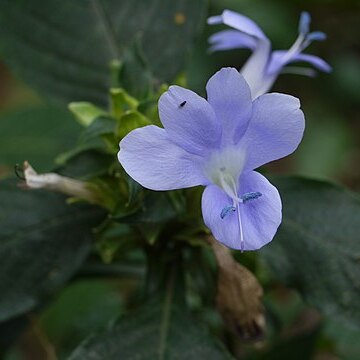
point(275, 129)
point(255, 69)
point(226, 229)
point(260, 217)
point(238, 22)
point(189, 120)
point(229, 95)
point(231, 39)
point(151, 159)
point(279, 59)
point(314, 61)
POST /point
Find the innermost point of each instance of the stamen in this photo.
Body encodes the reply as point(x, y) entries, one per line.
point(226, 210)
point(182, 104)
point(316, 36)
point(250, 196)
point(224, 169)
point(304, 23)
point(304, 39)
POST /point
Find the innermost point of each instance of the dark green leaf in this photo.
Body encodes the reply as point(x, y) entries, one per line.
point(86, 164)
point(298, 347)
point(316, 249)
point(43, 241)
point(345, 338)
point(154, 331)
point(10, 331)
point(82, 307)
point(64, 48)
point(129, 121)
point(85, 112)
point(156, 207)
point(121, 102)
point(36, 134)
point(103, 125)
point(134, 74)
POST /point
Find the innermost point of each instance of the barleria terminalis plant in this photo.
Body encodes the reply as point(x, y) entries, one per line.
point(147, 261)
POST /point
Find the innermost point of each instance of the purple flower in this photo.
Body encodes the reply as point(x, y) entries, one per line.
point(264, 66)
point(217, 143)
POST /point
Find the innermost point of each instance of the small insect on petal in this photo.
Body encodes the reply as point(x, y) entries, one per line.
point(250, 196)
point(182, 104)
point(226, 210)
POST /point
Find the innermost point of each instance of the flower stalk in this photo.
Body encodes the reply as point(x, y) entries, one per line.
point(62, 184)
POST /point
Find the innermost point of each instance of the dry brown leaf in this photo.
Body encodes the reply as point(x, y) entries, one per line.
point(239, 296)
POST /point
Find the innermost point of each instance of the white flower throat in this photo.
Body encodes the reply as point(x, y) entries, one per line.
point(224, 168)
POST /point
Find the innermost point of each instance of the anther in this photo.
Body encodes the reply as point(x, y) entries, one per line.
point(226, 210)
point(316, 36)
point(19, 172)
point(182, 104)
point(304, 23)
point(250, 196)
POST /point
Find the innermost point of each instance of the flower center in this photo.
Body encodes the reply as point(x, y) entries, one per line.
point(224, 169)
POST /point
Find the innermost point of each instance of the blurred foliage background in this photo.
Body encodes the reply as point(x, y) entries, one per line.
point(330, 148)
point(38, 128)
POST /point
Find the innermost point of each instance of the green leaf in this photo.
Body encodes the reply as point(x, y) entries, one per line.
point(163, 327)
point(316, 249)
point(90, 305)
point(131, 120)
point(36, 134)
point(121, 101)
point(134, 73)
point(64, 48)
point(155, 331)
point(151, 214)
point(94, 155)
point(157, 207)
point(300, 347)
point(103, 125)
point(85, 112)
point(43, 241)
point(9, 333)
point(94, 152)
point(345, 338)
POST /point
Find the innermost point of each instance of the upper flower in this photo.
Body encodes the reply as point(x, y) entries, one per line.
point(217, 143)
point(264, 66)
